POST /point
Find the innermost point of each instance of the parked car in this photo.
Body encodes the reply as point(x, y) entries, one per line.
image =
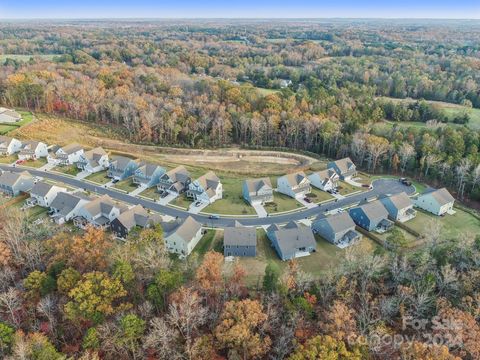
point(214, 217)
point(114, 181)
point(405, 182)
point(20, 162)
point(198, 203)
point(307, 200)
point(164, 194)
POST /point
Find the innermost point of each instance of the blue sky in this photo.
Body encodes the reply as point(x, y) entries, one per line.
point(239, 9)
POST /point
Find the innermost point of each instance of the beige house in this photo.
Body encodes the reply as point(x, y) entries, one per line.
point(295, 185)
point(182, 235)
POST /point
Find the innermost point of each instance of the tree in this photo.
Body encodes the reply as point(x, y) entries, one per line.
point(406, 152)
point(209, 273)
point(67, 280)
point(396, 240)
point(421, 351)
point(6, 338)
point(94, 297)
point(238, 328)
point(376, 147)
point(132, 328)
point(340, 322)
point(325, 348)
point(38, 284)
point(271, 277)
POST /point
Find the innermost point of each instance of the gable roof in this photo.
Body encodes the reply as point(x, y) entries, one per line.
point(65, 202)
point(71, 148)
point(295, 179)
point(400, 200)
point(93, 156)
point(344, 164)
point(5, 141)
point(338, 222)
point(442, 196)
point(239, 235)
point(374, 209)
point(326, 174)
point(9, 178)
point(121, 162)
point(180, 173)
point(137, 215)
point(292, 237)
point(185, 229)
point(101, 205)
point(148, 169)
point(42, 188)
point(254, 185)
point(209, 180)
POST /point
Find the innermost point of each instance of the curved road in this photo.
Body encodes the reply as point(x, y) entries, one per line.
point(380, 187)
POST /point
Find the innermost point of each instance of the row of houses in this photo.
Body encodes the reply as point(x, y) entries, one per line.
point(298, 184)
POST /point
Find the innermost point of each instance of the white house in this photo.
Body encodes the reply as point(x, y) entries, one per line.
point(32, 150)
point(345, 168)
point(99, 212)
point(437, 202)
point(66, 155)
point(9, 146)
point(9, 116)
point(181, 236)
point(66, 206)
point(206, 188)
point(94, 160)
point(257, 191)
point(295, 185)
point(43, 194)
point(325, 179)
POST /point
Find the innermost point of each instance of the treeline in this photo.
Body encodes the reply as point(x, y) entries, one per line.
point(81, 295)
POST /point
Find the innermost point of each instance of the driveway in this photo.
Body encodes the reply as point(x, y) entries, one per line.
point(380, 187)
point(196, 209)
point(308, 205)
point(353, 182)
point(138, 190)
point(167, 199)
point(82, 175)
point(260, 210)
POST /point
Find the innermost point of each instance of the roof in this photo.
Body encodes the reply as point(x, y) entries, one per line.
point(180, 173)
point(254, 185)
point(65, 202)
point(209, 180)
point(42, 188)
point(72, 148)
point(290, 238)
point(121, 162)
point(442, 196)
point(148, 169)
point(338, 222)
point(326, 174)
point(374, 209)
point(344, 164)
point(9, 178)
point(101, 205)
point(185, 229)
point(295, 179)
point(94, 155)
point(400, 201)
point(137, 215)
point(239, 235)
point(5, 140)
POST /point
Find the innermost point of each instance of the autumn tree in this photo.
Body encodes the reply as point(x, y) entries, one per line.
point(209, 273)
point(325, 348)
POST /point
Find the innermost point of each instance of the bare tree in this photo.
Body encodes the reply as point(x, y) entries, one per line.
point(11, 304)
point(406, 152)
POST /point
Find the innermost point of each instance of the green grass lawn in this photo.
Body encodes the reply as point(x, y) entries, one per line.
point(36, 163)
point(27, 117)
point(181, 201)
point(8, 159)
point(151, 193)
point(5, 129)
point(126, 185)
point(206, 243)
point(68, 170)
point(232, 202)
point(346, 189)
point(282, 203)
point(318, 195)
point(99, 177)
point(265, 92)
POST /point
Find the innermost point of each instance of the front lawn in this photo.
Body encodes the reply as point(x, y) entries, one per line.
point(181, 201)
point(318, 196)
point(99, 178)
point(126, 185)
point(38, 163)
point(68, 170)
point(282, 203)
point(8, 159)
point(151, 193)
point(346, 189)
point(232, 202)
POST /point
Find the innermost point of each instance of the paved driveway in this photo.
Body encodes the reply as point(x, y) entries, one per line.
point(380, 187)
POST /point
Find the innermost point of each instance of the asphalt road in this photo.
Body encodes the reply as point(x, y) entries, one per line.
point(380, 187)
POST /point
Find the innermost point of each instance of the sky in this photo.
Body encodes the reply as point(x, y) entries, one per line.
point(68, 9)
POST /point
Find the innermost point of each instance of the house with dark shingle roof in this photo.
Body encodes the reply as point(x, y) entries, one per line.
point(99, 212)
point(294, 185)
point(175, 181)
point(435, 201)
point(32, 150)
point(66, 206)
point(43, 194)
point(324, 179)
point(207, 188)
point(339, 229)
point(93, 160)
point(399, 207)
point(371, 216)
point(345, 168)
point(239, 240)
point(257, 191)
point(148, 174)
point(14, 183)
point(67, 155)
point(136, 216)
point(122, 167)
point(182, 235)
point(9, 146)
point(291, 241)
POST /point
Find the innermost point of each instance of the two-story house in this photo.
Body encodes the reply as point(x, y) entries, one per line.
point(257, 191)
point(295, 185)
point(339, 229)
point(372, 216)
point(99, 212)
point(66, 206)
point(122, 167)
point(9, 146)
point(438, 202)
point(43, 194)
point(67, 155)
point(182, 235)
point(399, 207)
point(345, 168)
point(175, 181)
point(324, 179)
point(32, 150)
point(239, 240)
point(292, 241)
point(148, 175)
point(134, 217)
point(14, 183)
point(93, 160)
point(206, 188)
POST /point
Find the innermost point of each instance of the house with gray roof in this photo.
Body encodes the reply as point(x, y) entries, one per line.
point(324, 179)
point(292, 241)
point(399, 207)
point(175, 181)
point(9, 116)
point(14, 183)
point(67, 155)
point(182, 235)
point(66, 206)
point(32, 150)
point(99, 212)
point(345, 168)
point(295, 185)
point(207, 188)
point(257, 191)
point(94, 160)
point(372, 216)
point(339, 229)
point(239, 240)
point(136, 216)
point(122, 167)
point(9, 146)
point(435, 201)
point(148, 174)
point(43, 194)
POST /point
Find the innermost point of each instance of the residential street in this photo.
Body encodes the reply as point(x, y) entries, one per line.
point(380, 187)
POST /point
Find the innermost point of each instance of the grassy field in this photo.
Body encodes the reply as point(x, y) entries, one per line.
point(38, 163)
point(126, 185)
point(68, 170)
point(5, 129)
point(232, 202)
point(151, 193)
point(282, 203)
point(99, 177)
point(8, 159)
point(318, 195)
point(265, 92)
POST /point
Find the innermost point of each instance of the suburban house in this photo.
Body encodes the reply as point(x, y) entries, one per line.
point(9, 116)
point(240, 240)
point(43, 194)
point(371, 216)
point(122, 167)
point(293, 240)
point(148, 174)
point(294, 185)
point(257, 191)
point(66, 206)
point(32, 150)
point(13, 183)
point(99, 212)
point(339, 229)
point(93, 161)
point(345, 168)
point(399, 207)
point(207, 188)
point(175, 181)
point(9, 146)
point(136, 216)
point(324, 179)
point(67, 155)
point(181, 236)
point(435, 201)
